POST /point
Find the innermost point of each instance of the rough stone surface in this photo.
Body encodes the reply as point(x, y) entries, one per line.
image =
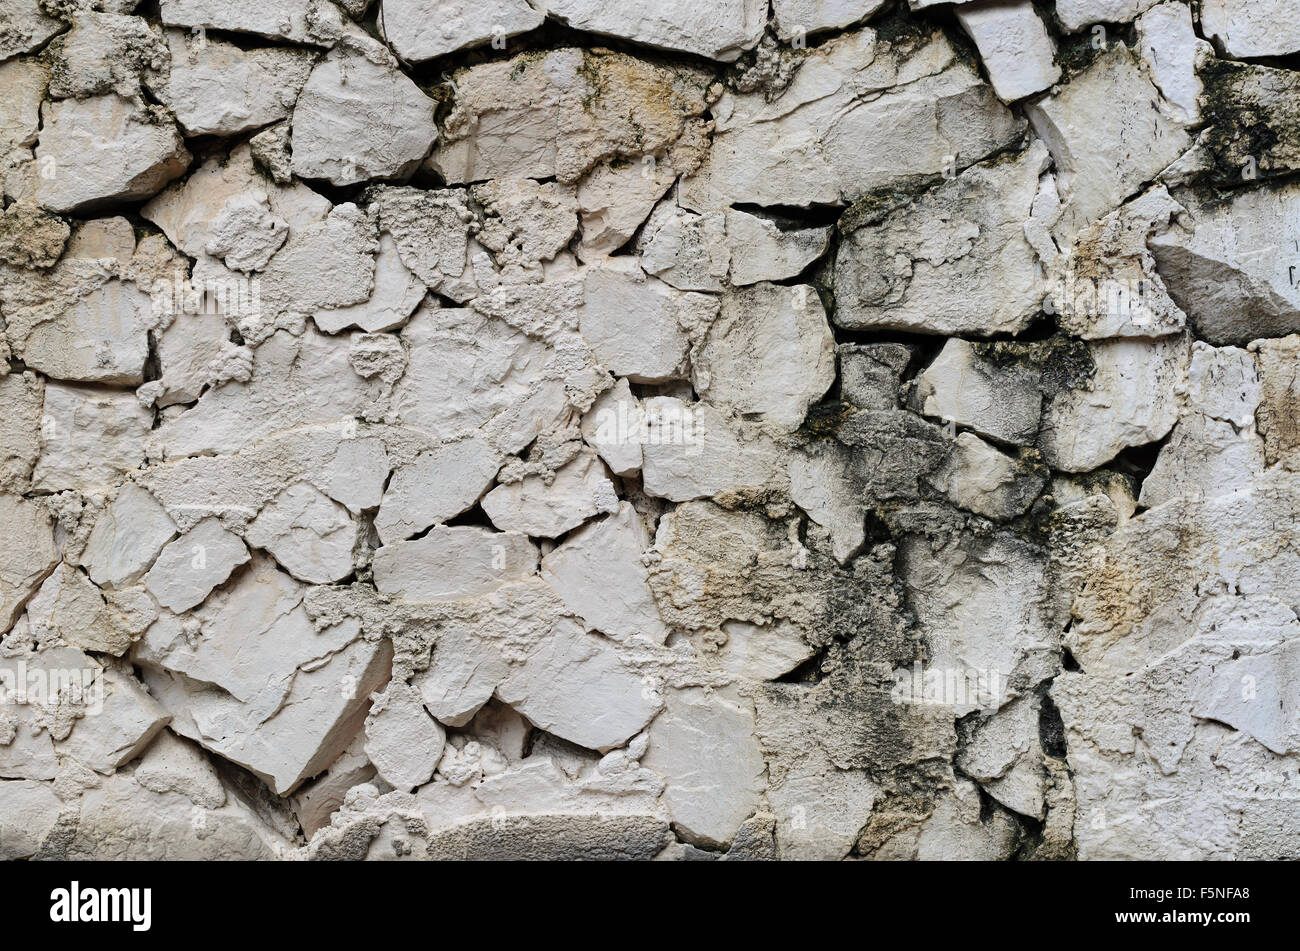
point(862, 115)
point(190, 567)
point(104, 149)
point(24, 26)
point(1226, 263)
point(720, 31)
point(1075, 14)
point(1109, 131)
point(423, 29)
point(1250, 29)
point(958, 258)
point(795, 17)
point(1013, 44)
point(316, 22)
point(652, 430)
point(600, 574)
point(216, 88)
point(359, 117)
point(769, 355)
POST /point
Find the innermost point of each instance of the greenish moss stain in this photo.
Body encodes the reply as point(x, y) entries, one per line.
point(875, 206)
point(1260, 123)
point(906, 33)
point(1075, 52)
point(591, 72)
point(825, 419)
point(1061, 362)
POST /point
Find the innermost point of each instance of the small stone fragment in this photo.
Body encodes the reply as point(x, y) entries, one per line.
point(422, 29)
point(104, 149)
point(453, 562)
point(600, 575)
point(1013, 44)
point(359, 117)
point(580, 490)
point(189, 568)
point(402, 740)
point(309, 534)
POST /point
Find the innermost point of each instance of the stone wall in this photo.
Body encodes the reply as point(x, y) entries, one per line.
point(649, 429)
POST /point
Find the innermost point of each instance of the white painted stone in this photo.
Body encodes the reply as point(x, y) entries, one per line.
point(1013, 45)
point(396, 295)
point(104, 149)
point(89, 436)
point(982, 479)
point(425, 29)
point(360, 117)
point(600, 575)
point(296, 381)
point(102, 52)
point(125, 821)
point(171, 764)
point(637, 324)
point(461, 678)
point(402, 740)
point(1109, 132)
point(981, 605)
point(1131, 400)
point(515, 118)
point(28, 555)
point(291, 727)
point(615, 199)
point(194, 352)
point(720, 31)
point(860, 116)
point(25, 27)
point(579, 491)
point(459, 561)
point(1075, 14)
point(706, 750)
point(762, 651)
point(99, 337)
point(960, 262)
point(189, 568)
point(1227, 266)
point(216, 88)
point(1109, 284)
point(761, 251)
point(1215, 448)
point(468, 371)
point(125, 724)
point(1002, 403)
point(22, 87)
point(685, 250)
point(28, 813)
point(316, 801)
point(819, 485)
point(189, 212)
point(615, 428)
point(1260, 28)
point(22, 397)
point(575, 686)
point(769, 355)
point(795, 17)
point(310, 535)
point(69, 609)
point(318, 22)
point(438, 484)
point(693, 451)
point(1172, 50)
